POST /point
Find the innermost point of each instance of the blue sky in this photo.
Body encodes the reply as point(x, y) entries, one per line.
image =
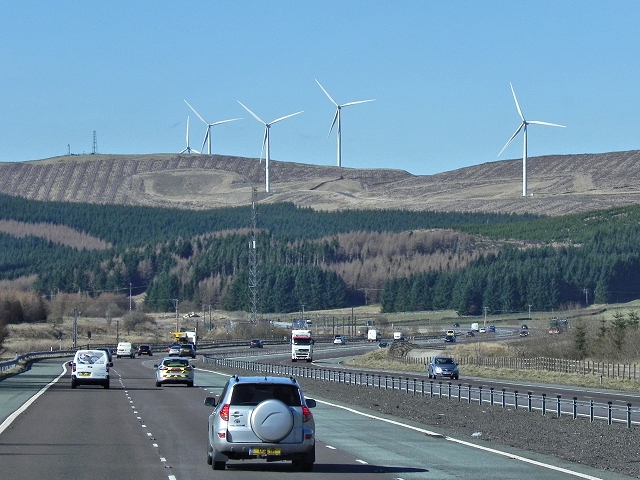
point(439, 72)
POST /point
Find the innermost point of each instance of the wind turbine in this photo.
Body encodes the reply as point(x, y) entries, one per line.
point(336, 117)
point(265, 141)
point(188, 149)
point(522, 126)
point(207, 135)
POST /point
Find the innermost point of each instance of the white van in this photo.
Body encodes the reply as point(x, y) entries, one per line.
point(125, 349)
point(90, 367)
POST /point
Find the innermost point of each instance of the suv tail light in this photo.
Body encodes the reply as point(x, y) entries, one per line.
point(224, 412)
point(306, 414)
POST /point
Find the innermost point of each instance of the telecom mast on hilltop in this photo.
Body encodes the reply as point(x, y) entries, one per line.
point(94, 150)
point(253, 259)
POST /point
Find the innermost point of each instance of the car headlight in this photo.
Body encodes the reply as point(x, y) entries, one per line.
point(438, 370)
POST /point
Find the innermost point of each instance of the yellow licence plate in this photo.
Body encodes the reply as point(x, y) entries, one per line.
point(264, 451)
point(85, 374)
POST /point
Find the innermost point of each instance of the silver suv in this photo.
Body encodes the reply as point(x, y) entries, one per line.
point(261, 417)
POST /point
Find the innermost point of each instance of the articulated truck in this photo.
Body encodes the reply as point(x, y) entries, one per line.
point(301, 345)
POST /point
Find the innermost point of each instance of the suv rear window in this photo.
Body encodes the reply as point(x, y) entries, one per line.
point(253, 394)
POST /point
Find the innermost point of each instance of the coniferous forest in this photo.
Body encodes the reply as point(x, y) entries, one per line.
point(404, 260)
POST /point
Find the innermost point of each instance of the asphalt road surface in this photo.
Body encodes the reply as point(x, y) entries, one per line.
point(136, 430)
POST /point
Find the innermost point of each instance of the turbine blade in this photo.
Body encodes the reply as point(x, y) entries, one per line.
point(194, 111)
point(517, 104)
point(536, 122)
point(286, 116)
point(206, 136)
point(224, 121)
point(355, 103)
point(512, 137)
point(327, 93)
point(253, 114)
point(264, 141)
point(335, 117)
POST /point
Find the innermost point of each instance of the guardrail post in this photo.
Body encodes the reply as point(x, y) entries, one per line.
point(422, 388)
point(504, 400)
point(393, 383)
point(558, 410)
point(575, 408)
point(459, 391)
point(491, 396)
point(480, 395)
point(469, 395)
point(544, 403)
point(515, 399)
point(439, 389)
point(628, 415)
point(529, 407)
point(449, 390)
point(609, 420)
point(431, 388)
point(591, 410)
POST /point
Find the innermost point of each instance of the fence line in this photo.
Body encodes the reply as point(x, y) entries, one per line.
point(622, 371)
point(468, 393)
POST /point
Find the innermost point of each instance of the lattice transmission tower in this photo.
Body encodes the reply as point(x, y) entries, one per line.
point(253, 259)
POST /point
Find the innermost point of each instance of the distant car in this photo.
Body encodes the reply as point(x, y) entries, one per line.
point(173, 350)
point(256, 343)
point(188, 350)
point(482, 330)
point(383, 345)
point(456, 325)
point(524, 333)
point(107, 350)
point(339, 340)
point(554, 330)
point(491, 328)
point(144, 350)
point(174, 370)
point(524, 327)
point(261, 418)
point(443, 367)
point(450, 339)
point(470, 334)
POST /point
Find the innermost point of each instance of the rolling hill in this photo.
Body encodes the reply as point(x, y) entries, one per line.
point(559, 184)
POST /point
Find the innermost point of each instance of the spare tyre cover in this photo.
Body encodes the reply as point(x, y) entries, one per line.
point(271, 420)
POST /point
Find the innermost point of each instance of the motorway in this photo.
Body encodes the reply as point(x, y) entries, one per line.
point(136, 430)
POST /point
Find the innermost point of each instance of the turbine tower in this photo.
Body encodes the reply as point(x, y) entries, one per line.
point(207, 135)
point(523, 126)
point(336, 118)
point(265, 141)
point(188, 149)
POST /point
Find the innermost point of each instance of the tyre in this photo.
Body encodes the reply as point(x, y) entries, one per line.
point(73, 383)
point(219, 465)
point(304, 462)
point(158, 384)
point(190, 384)
point(106, 385)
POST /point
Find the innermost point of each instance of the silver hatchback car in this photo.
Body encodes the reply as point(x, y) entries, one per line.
point(443, 367)
point(261, 417)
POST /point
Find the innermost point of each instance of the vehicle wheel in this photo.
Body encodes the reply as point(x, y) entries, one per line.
point(117, 356)
point(158, 384)
point(73, 383)
point(294, 360)
point(309, 360)
point(190, 384)
point(430, 376)
point(219, 465)
point(304, 462)
point(456, 377)
point(106, 385)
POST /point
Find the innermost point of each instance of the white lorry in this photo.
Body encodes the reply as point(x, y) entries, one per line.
point(301, 345)
point(475, 327)
point(373, 335)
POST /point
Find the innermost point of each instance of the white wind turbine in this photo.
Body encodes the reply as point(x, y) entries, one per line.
point(265, 141)
point(522, 126)
point(336, 117)
point(188, 149)
point(207, 135)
